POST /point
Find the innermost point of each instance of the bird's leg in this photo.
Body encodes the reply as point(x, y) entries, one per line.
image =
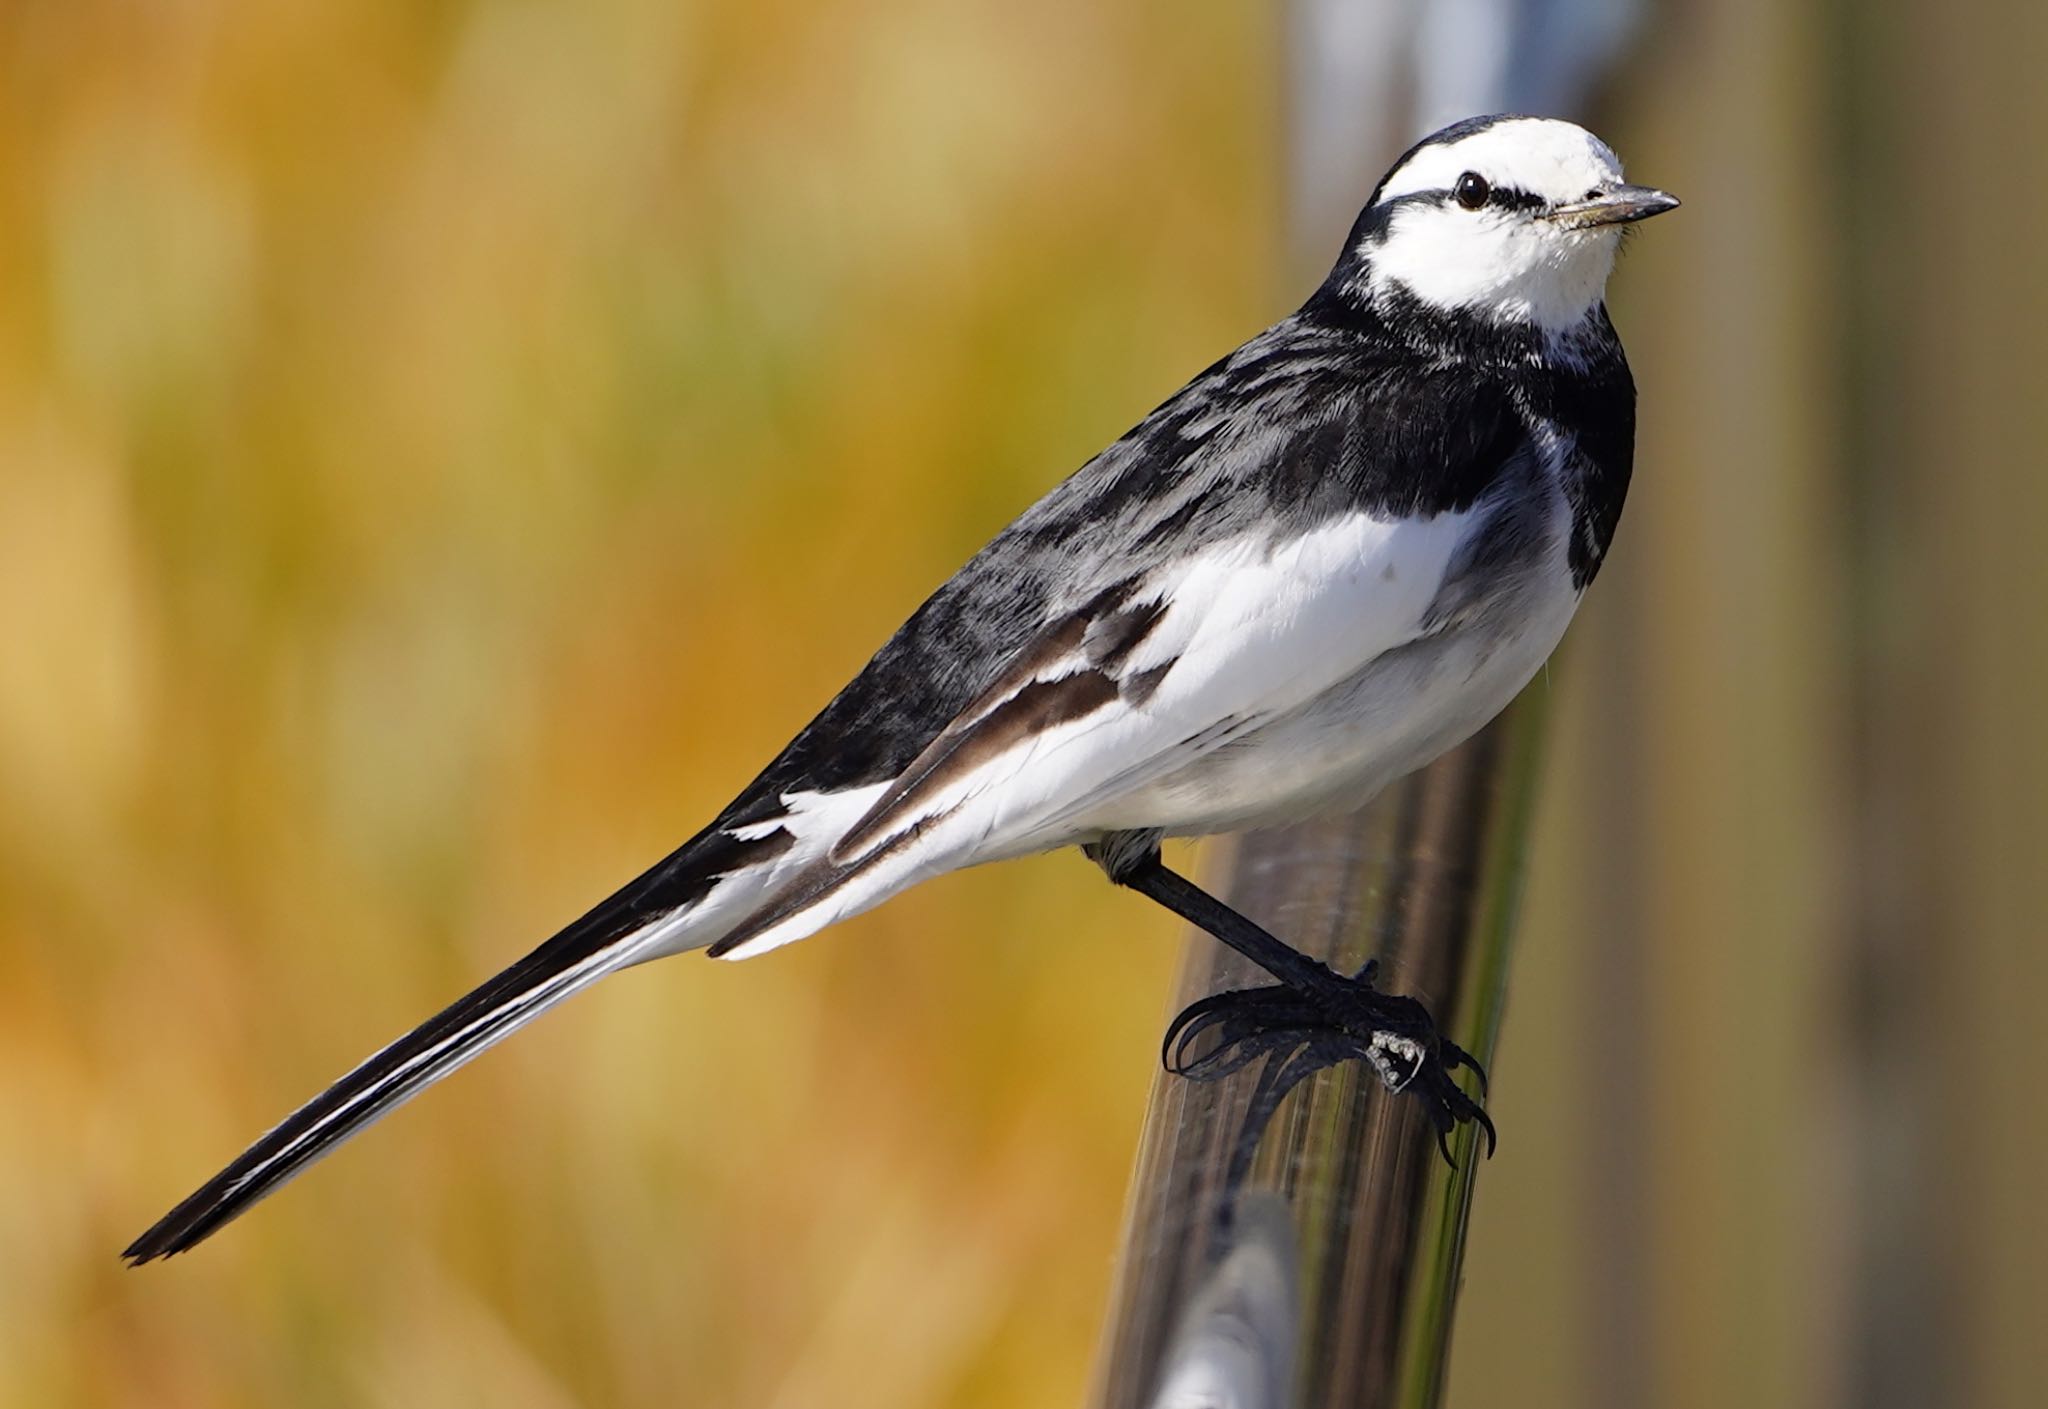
point(1312, 1008)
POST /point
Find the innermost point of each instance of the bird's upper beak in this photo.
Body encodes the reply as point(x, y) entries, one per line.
point(1618, 205)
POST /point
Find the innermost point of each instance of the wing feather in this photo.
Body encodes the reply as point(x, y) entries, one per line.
point(1246, 631)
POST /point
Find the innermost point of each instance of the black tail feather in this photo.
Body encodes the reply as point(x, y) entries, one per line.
point(580, 954)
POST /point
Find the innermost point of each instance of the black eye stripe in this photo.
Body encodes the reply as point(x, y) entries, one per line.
point(1376, 221)
point(1473, 192)
point(1508, 198)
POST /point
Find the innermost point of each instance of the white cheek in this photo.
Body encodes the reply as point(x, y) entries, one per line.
point(1500, 265)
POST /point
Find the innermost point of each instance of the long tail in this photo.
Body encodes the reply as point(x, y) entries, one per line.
point(616, 933)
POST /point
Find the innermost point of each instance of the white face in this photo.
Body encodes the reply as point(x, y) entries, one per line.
point(1510, 256)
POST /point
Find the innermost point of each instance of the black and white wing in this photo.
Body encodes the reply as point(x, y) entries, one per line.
point(1136, 684)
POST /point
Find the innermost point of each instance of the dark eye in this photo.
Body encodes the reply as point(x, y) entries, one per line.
point(1472, 190)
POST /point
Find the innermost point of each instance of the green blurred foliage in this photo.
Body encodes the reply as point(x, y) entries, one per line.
point(444, 450)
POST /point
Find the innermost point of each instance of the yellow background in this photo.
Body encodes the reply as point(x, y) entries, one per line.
point(446, 448)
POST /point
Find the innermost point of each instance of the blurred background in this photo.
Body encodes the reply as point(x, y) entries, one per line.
point(446, 447)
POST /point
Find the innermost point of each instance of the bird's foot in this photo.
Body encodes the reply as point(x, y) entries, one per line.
point(1334, 1020)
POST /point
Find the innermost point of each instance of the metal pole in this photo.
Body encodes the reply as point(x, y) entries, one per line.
point(1293, 1238)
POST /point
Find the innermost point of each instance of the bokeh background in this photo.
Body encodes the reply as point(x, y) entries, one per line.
point(445, 447)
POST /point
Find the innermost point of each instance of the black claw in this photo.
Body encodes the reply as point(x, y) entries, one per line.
point(1317, 1028)
point(1258, 1020)
point(1455, 1057)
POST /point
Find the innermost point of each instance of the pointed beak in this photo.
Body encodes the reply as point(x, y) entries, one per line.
point(1618, 205)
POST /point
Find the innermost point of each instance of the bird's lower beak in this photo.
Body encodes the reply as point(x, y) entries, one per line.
point(1620, 205)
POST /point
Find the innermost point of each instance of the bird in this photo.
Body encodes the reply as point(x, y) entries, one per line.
point(1333, 555)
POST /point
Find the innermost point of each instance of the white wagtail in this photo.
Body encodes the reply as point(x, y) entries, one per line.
point(1330, 557)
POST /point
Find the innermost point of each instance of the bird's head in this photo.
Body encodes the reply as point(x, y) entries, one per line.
point(1510, 220)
